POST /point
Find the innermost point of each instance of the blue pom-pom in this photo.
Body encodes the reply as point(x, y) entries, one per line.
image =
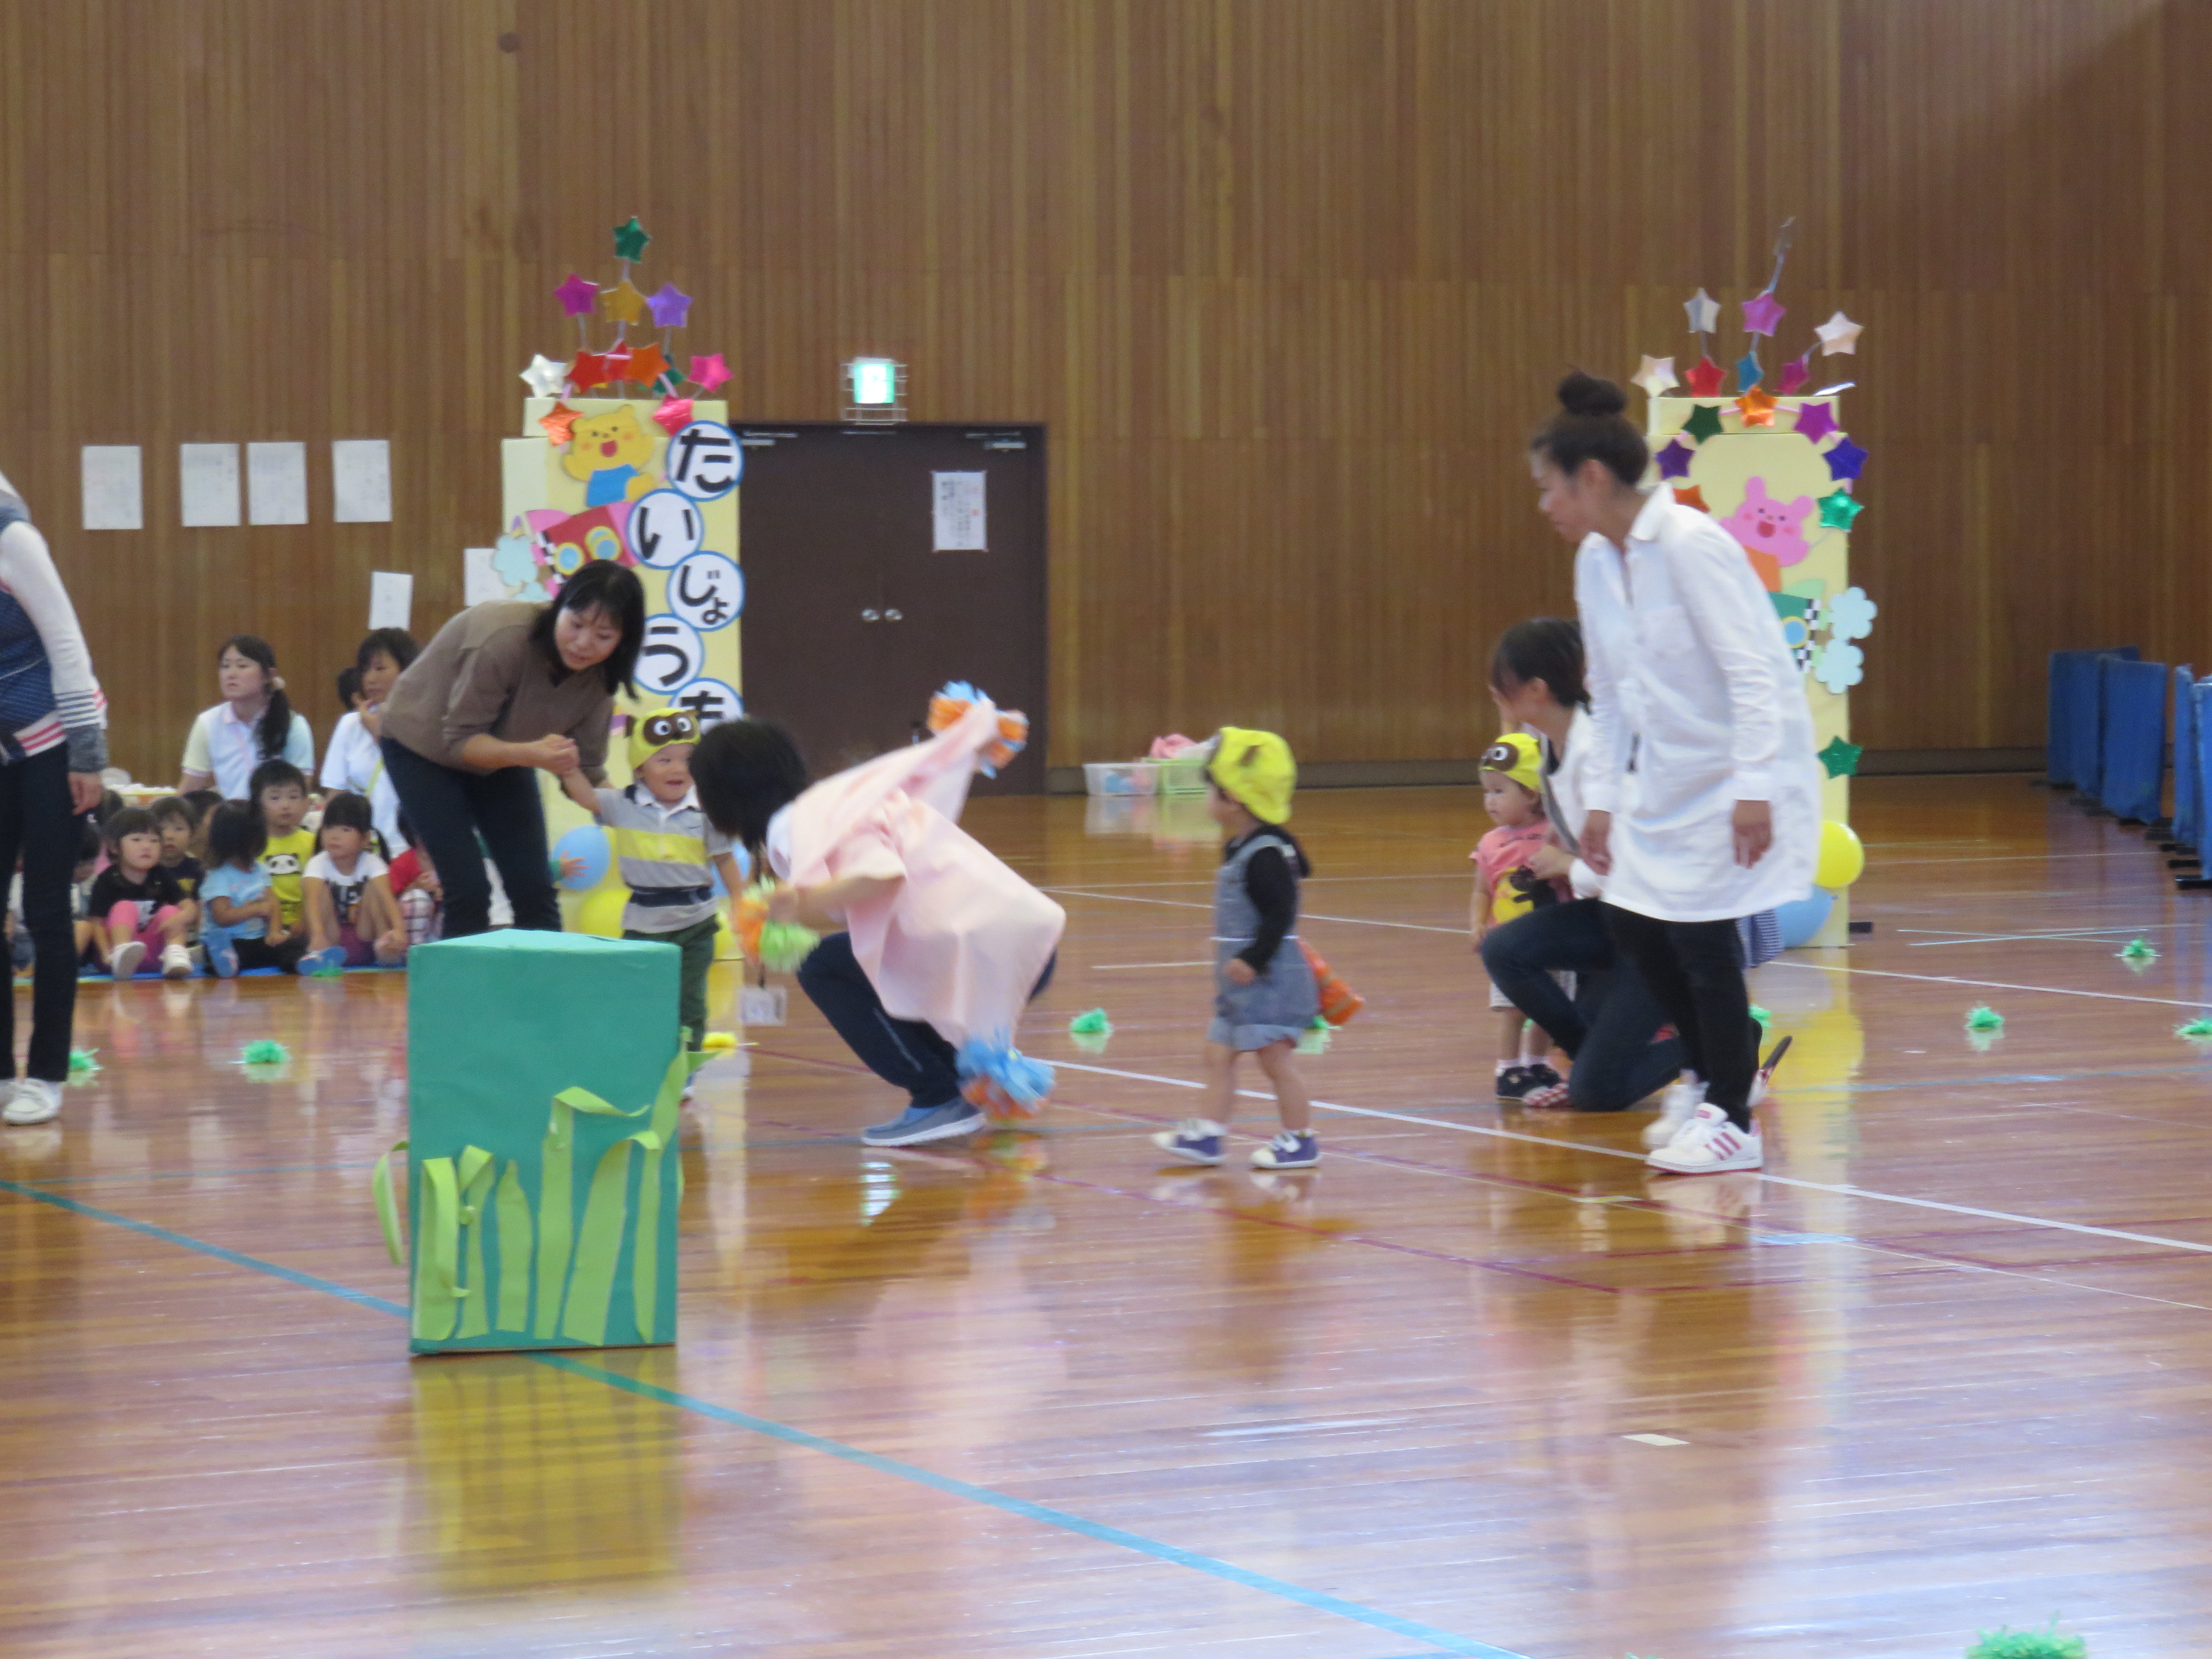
point(1025, 1081)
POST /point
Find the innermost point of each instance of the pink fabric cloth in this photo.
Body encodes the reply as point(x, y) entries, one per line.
point(1175, 744)
point(962, 939)
point(123, 926)
point(1498, 856)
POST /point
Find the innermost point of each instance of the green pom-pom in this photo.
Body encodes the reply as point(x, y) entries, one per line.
point(2049, 1643)
point(265, 1052)
point(1092, 1024)
point(1761, 1015)
point(1983, 1017)
point(2198, 1030)
point(2138, 949)
point(83, 1062)
point(784, 944)
point(326, 970)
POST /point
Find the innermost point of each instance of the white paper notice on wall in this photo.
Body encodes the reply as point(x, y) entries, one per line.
point(206, 484)
point(480, 581)
point(958, 499)
point(360, 479)
point(277, 483)
point(114, 487)
point(390, 599)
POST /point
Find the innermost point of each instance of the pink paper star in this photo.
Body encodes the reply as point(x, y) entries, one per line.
point(674, 414)
point(709, 372)
point(577, 296)
point(1762, 312)
point(669, 305)
point(1815, 422)
point(1794, 374)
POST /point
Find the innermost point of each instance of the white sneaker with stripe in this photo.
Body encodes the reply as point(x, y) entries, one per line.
point(1709, 1145)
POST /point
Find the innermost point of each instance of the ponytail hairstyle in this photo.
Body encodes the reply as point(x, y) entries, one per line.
point(1547, 648)
point(274, 729)
point(1592, 425)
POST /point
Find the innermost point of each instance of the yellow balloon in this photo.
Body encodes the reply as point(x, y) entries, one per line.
point(1842, 858)
point(601, 911)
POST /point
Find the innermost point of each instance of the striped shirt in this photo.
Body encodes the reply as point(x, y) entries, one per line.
point(666, 855)
point(48, 695)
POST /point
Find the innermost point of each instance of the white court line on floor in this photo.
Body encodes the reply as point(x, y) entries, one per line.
point(1124, 967)
point(1195, 904)
point(1841, 1190)
point(2200, 1004)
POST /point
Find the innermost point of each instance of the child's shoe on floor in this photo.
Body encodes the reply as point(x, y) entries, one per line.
point(1194, 1140)
point(1288, 1151)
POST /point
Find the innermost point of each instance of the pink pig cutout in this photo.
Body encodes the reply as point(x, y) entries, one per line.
point(1771, 532)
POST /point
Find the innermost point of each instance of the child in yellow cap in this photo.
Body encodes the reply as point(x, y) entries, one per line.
point(1264, 992)
point(1506, 886)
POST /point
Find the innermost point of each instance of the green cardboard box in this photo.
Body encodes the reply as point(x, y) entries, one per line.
point(544, 1079)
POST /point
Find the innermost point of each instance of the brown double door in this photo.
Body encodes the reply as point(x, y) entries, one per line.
point(853, 617)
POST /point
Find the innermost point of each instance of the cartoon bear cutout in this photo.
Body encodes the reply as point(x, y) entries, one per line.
point(1772, 532)
point(611, 454)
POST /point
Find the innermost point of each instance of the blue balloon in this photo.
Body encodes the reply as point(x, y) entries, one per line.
point(744, 871)
point(588, 843)
point(1801, 919)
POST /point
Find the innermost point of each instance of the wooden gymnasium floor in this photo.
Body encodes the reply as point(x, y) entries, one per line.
point(1946, 1367)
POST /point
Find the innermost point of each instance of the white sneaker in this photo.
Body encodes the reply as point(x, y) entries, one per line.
point(1677, 1108)
point(176, 962)
point(125, 960)
point(1709, 1145)
point(36, 1101)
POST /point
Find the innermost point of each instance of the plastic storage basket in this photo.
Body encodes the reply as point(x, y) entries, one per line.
point(1121, 777)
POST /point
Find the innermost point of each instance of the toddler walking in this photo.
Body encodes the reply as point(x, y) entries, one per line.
point(1507, 886)
point(1264, 995)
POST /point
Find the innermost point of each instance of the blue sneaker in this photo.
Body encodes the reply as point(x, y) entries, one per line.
point(224, 960)
point(1194, 1140)
point(1288, 1151)
point(921, 1123)
point(330, 959)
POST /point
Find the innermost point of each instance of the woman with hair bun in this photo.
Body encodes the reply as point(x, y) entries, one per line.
point(1703, 789)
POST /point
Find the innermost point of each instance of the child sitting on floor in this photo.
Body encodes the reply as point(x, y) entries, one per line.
point(136, 905)
point(414, 885)
point(352, 919)
point(172, 815)
point(245, 925)
point(280, 794)
point(1506, 886)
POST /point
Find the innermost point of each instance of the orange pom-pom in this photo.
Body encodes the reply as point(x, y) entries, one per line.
point(1338, 1001)
point(994, 1101)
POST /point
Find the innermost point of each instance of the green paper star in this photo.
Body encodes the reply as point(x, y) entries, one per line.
point(630, 240)
point(1837, 511)
point(1704, 422)
point(1841, 758)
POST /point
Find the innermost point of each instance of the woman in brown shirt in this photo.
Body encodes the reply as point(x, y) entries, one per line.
point(504, 689)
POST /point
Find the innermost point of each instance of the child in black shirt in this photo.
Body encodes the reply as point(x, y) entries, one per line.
point(136, 904)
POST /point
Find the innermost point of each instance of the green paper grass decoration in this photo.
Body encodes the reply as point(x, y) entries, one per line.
point(2198, 1030)
point(2138, 949)
point(83, 1062)
point(1983, 1017)
point(1092, 1024)
point(1761, 1015)
point(2049, 1642)
point(267, 1051)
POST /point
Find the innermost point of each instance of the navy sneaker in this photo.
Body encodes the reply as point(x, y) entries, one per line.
point(1288, 1151)
point(1194, 1140)
point(921, 1123)
point(1516, 1082)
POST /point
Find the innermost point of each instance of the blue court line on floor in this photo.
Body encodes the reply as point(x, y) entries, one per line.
point(1442, 1641)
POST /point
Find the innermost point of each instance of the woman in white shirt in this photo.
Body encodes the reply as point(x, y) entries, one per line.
point(1703, 792)
point(355, 759)
point(254, 722)
point(1610, 1027)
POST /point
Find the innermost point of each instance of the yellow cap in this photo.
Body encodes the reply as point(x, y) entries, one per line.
point(1256, 770)
point(651, 732)
point(1518, 756)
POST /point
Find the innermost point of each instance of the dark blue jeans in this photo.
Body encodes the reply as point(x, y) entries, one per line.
point(1609, 1026)
point(447, 808)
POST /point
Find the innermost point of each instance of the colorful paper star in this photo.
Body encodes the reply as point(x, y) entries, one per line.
point(1691, 495)
point(1841, 759)
point(623, 301)
point(1757, 407)
point(1655, 375)
point(1749, 374)
point(1794, 374)
point(617, 363)
point(1762, 312)
point(1837, 511)
point(544, 377)
point(1705, 380)
point(1839, 333)
point(1674, 460)
point(710, 371)
point(674, 414)
point(1816, 420)
point(1846, 460)
point(590, 370)
point(577, 296)
point(670, 305)
point(559, 423)
point(1704, 311)
point(1704, 422)
point(630, 240)
point(646, 365)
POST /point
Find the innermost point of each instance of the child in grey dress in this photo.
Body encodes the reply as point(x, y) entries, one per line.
point(1265, 996)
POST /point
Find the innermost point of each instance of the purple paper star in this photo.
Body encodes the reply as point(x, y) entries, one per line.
point(577, 295)
point(1762, 312)
point(1815, 422)
point(1794, 374)
point(1674, 460)
point(1844, 460)
point(669, 305)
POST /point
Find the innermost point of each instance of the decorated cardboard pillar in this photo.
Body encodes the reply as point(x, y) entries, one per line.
point(544, 1082)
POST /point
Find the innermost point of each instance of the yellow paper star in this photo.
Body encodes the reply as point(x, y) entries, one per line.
point(1757, 407)
point(623, 301)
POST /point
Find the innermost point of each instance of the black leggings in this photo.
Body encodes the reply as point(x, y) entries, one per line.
point(38, 820)
point(447, 806)
point(1695, 969)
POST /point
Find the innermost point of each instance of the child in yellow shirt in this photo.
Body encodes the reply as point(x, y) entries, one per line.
point(280, 794)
